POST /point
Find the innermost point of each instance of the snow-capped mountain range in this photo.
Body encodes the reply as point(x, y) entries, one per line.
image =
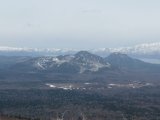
point(13, 51)
point(150, 50)
point(138, 50)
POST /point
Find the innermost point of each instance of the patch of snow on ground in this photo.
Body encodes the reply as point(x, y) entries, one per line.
point(87, 83)
point(51, 86)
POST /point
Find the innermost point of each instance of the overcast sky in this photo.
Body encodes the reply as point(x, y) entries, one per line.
point(78, 23)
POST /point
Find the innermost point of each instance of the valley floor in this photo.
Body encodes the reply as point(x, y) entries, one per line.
point(138, 101)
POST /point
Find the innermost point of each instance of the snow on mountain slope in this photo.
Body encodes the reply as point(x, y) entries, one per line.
point(150, 50)
point(13, 51)
point(90, 62)
point(49, 62)
point(140, 49)
point(7, 49)
point(79, 63)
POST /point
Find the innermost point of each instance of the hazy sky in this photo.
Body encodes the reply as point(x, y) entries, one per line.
point(78, 23)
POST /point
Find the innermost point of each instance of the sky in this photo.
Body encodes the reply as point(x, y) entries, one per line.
point(78, 23)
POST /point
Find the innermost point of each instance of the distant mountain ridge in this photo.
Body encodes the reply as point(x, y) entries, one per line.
point(151, 50)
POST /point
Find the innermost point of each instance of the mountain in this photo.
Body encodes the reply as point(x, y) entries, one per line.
point(142, 51)
point(89, 62)
point(13, 51)
point(85, 62)
point(81, 62)
point(147, 50)
point(82, 66)
point(50, 64)
point(124, 62)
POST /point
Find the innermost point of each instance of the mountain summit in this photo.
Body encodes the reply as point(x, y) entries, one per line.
point(89, 62)
point(124, 62)
point(85, 56)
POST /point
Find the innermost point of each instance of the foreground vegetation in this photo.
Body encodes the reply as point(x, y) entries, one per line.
point(115, 104)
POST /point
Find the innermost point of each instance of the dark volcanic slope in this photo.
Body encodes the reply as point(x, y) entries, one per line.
point(8, 61)
point(124, 62)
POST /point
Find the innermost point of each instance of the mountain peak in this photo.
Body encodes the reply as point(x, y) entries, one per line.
point(89, 61)
point(119, 58)
point(124, 61)
point(83, 53)
point(118, 55)
point(86, 56)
